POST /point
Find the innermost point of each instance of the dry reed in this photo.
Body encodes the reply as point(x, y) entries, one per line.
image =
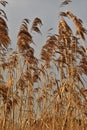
point(49, 93)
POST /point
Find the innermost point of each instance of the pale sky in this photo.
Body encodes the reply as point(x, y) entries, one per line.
point(47, 10)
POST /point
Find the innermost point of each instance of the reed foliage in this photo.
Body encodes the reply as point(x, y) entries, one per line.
point(49, 93)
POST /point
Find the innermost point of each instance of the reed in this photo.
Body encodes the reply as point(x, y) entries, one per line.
point(48, 93)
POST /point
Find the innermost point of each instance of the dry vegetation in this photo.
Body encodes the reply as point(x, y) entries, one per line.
point(45, 94)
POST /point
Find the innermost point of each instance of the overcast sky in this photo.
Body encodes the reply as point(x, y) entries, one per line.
point(47, 10)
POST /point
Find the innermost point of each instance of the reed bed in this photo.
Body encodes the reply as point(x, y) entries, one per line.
point(49, 93)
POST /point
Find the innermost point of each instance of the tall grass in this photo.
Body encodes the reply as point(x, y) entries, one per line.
point(48, 93)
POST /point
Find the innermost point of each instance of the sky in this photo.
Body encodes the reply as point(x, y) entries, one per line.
point(46, 10)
